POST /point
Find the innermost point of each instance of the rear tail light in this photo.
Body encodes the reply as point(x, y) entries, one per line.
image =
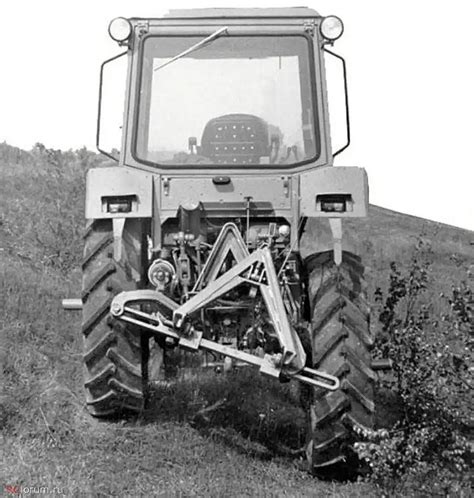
point(121, 204)
point(334, 203)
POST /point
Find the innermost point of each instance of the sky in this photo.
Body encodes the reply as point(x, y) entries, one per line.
point(411, 88)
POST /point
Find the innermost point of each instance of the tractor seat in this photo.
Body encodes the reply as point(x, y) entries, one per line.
point(236, 139)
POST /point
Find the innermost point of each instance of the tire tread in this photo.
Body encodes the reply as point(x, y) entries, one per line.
point(341, 342)
point(114, 355)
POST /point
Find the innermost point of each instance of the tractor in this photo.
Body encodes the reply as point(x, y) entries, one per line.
point(193, 238)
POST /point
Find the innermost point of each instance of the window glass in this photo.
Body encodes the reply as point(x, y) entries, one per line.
point(237, 100)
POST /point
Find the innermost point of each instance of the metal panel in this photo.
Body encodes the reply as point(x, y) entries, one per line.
point(118, 181)
point(271, 191)
point(349, 180)
point(292, 12)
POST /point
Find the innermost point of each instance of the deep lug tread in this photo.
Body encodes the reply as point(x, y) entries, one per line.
point(338, 436)
point(329, 463)
point(90, 226)
point(357, 304)
point(343, 369)
point(330, 312)
point(330, 407)
point(106, 240)
point(115, 355)
point(361, 332)
point(101, 311)
point(356, 362)
point(325, 288)
point(101, 376)
point(352, 423)
point(107, 270)
point(108, 396)
point(104, 413)
point(327, 347)
point(319, 259)
point(98, 347)
point(122, 362)
point(348, 387)
point(123, 388)
point(341, 340)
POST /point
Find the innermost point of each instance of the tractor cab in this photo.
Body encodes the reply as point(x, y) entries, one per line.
point(248, 82)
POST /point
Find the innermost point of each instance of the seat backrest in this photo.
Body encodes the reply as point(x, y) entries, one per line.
point(236, 139)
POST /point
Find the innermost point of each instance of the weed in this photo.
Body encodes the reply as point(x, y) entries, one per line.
point(427, 449)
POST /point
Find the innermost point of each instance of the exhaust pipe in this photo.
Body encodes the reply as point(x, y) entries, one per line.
point(72, 304)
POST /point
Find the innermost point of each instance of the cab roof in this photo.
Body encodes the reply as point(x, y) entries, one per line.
point(237, 13)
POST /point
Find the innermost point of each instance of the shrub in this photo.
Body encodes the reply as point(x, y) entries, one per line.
point(430, 344)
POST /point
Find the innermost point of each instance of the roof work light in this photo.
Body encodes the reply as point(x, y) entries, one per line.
point(331, 28)
point(120, 29)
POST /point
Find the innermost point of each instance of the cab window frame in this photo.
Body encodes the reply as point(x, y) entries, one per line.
point(212, 166)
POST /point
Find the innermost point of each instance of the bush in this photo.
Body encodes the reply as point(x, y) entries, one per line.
point(430, 344)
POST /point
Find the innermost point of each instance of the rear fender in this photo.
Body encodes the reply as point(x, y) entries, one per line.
point(343, 182)
point(118, 193)
point(335, 193)
point(105, 185)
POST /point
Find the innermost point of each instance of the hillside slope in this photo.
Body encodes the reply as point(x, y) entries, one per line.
point(47, 439)
point(387, 236)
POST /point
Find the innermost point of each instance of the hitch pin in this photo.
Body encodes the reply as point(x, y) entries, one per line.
point(72, 304)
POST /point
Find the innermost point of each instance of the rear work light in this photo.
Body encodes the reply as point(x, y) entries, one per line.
point(121, 204)
point(331, 28)
point(334, 203)
point(120, 29)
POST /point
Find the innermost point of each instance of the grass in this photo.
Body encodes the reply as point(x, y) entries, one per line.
point(241, 448)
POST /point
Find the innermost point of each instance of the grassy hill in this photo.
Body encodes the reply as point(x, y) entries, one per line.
point(48, 439)
point(386, 236)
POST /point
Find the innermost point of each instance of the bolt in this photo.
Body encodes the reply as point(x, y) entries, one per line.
point(276, 359)
point(116, 309)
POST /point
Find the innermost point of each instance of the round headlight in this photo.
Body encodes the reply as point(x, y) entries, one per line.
point(120, 29)
point(331, 28)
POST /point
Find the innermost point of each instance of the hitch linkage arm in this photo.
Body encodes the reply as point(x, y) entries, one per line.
point(256, 269)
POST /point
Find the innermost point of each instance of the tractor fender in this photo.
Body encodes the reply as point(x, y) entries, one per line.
point(118, 193)
point(347, 183)
point(107, 188)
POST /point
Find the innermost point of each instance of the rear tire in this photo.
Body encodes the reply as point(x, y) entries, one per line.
point(341, 343)
point(115, 355)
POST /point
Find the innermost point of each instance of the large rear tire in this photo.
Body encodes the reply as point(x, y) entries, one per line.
point(115, 355)
point(341, 342)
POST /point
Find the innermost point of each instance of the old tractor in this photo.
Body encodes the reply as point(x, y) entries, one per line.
point(193, 238)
